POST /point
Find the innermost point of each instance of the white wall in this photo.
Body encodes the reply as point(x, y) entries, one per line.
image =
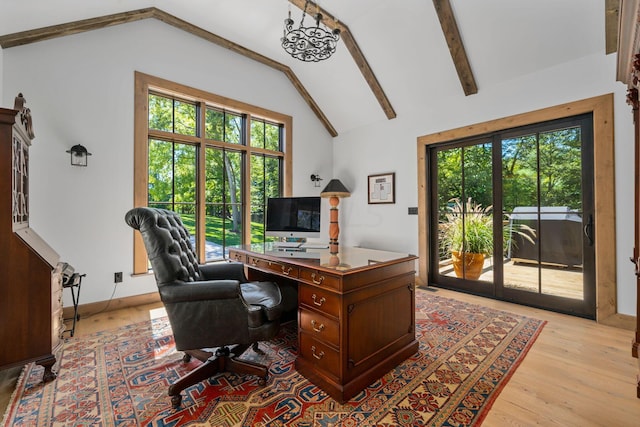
point(80, 89)
point(390, 146)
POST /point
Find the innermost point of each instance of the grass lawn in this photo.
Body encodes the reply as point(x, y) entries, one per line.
point(215, 227)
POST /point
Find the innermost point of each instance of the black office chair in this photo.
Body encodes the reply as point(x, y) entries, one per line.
point(209, 305)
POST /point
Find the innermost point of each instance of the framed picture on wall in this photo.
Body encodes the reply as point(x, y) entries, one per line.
point(382, 188)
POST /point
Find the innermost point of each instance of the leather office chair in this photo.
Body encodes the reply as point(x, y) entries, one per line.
point(207, 305)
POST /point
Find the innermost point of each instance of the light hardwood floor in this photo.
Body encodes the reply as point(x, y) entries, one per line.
point(577, 373)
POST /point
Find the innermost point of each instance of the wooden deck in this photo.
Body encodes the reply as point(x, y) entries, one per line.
point(554, 280)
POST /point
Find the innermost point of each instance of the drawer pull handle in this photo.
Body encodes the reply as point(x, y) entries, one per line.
point(254, 262)
point(286, 271)
point(318, 303)
point(317, 356)
point(317, 282)
point(319, 328)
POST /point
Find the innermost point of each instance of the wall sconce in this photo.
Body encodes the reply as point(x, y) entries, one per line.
point(79, 155)
point(315, 178)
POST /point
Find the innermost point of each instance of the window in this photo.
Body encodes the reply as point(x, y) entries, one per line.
point(213, 160)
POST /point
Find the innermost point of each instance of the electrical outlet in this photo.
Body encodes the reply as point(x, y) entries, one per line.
point(117, 277)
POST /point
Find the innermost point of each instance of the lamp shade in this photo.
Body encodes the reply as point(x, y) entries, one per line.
point(335, 189)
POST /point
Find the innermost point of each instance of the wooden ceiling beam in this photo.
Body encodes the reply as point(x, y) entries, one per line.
point(54, 31)
point(356, 53)
point(456, 48)
point(611, 25)
point(75, 27)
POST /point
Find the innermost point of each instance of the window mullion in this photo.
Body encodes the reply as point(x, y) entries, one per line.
point(168, 136)
point(173, 176)
point(201, 207)
point(246, 182)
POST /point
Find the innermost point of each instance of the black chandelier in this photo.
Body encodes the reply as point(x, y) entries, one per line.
point(309, 44)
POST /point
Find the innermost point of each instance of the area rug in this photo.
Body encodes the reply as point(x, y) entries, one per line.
point(120, 378)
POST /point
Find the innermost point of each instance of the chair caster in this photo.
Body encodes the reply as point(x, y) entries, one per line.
point(176, 401)
point(186, 358)
point(262, 381)
point(257, 349)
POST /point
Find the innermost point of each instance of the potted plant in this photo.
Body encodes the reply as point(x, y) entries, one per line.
point(468, 236)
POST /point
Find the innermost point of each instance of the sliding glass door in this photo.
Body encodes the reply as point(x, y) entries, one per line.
point(465, 220)
point(512, 216)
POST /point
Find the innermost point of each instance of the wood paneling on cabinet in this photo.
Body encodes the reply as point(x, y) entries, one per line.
point(629, 72)
point(30, 272)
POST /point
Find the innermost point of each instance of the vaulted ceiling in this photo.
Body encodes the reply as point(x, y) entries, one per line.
point(393, 55)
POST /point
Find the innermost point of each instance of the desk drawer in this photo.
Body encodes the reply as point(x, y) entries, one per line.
point(319, 354)
point(320, 327)
point(320, 299)
point(279, 268)
point(237, 256)
point(319, 278)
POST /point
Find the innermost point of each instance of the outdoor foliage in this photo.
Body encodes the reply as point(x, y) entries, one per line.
point(173, 168)
point(215, 228)
point(467, 231)
point(468, 227)
point(542, 169)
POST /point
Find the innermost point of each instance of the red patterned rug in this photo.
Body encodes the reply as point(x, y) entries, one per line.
point(120, 378)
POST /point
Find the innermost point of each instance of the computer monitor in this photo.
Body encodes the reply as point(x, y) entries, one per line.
point(293, 217)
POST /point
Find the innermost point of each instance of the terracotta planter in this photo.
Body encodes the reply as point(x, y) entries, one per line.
point(473, 264)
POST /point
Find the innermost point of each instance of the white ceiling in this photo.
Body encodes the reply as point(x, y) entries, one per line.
point(401, 39)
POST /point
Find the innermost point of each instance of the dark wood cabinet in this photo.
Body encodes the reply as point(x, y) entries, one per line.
point(30, 271)
point(628, 72)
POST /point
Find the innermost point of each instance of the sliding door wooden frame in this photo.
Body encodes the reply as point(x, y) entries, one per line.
point(604, 191)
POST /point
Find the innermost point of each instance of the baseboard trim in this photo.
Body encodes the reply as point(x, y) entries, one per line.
point(622, 321)
point(86, 310)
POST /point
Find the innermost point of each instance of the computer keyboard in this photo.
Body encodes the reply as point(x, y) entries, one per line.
point(286, 244)
point(314, 246)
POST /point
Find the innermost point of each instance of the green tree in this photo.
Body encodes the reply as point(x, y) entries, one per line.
point(542, 169)
point(173, 166)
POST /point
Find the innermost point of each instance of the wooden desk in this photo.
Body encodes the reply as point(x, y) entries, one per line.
point(356, 311)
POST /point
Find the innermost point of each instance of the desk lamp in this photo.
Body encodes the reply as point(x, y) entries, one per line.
point(334, 191)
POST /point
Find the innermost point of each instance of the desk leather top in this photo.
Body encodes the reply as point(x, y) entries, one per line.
point(348, 258)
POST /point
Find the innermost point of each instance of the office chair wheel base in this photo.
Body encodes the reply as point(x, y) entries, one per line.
point(176, 401)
